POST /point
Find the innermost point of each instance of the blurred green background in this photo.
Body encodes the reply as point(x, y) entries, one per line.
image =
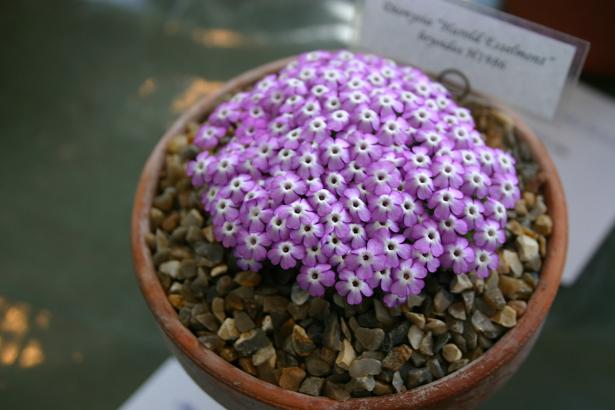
point(86, 89)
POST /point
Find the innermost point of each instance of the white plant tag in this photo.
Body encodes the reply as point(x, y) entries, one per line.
point(511, 59)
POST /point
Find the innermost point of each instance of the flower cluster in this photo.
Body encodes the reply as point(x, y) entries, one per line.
point(362, 173)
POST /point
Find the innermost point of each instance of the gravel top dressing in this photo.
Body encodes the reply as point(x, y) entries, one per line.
point(350, 320)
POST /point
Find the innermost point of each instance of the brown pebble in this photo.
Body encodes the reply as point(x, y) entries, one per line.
point(451, 353)
point(246, 364)
point(176, 300)
point(543, 225)
point(335, 391)
point(514, 288)
point(208, 233)
point(397, 357)
point(170, 222)
point(506, 317)
point(346, 356)
point(248, 279)
point(520, 306)
point(291, 378)
point(219, 270)
point(301, 342)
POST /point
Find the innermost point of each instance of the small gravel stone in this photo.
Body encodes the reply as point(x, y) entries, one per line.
point(370, 339)
point(212, 252)
point(382, 389)
point(457, 365)
point(192, 218)
point(319, 308)
point(243, 321)
point(346, 356)
point(170, 268)
point(212, 342)
point(514, 288)
point(543, 225)
point(426, 345)
point(457, 310)
point(267, 324)
point(299, 296)
point(365, 367)
point(263, 354)
point(217, 307)
point(247, 279)
point(436, 326)
point(316, 366)
point(209, 321)
point(312, 386)
point(332, 336)
point(416, 377)
point(382, 314)
point(415, 335)
point(417, 319)
point(275, 304)
point(360, 384)
point(494, 297)
point(218, 270)
point(398, 383)
point(335, 391)
point(511, 259)
point(397, 357)
point(291, 378)
point(506, 317)
point(482, 323)
point(451, 353)
point(442, 300)
point(228, 330)
point(301, 342)
point(520, 306)
point(435, 367)
point(527, 248)
point(460, 283)
point(469, 296)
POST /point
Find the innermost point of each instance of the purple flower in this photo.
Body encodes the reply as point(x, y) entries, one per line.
point(365, 261)
point(335, 182)
point(427, 259)
point(224, 210)
point(356, 236)
point(427, 238)
point(473, 214)
point(276, 228)
point(483, 261)
point(381, 278)
point(355, 205)
point(314, 279)
point(476, 183)
point(410, 209)
point(353, 287)
point(365, 149)
point(227, 233)
point(420, 184)
point(252, 245)
point(495, 211)
point(332, 245)
point(237, 188)
point(408, 278)
point(458, 256)
point(446, 173)
point(393, 131)
point(446, 201)
point(393, 249)
point(208, 136)
point(308, 234)
point(314, 255)
point(337, 221)
point(385, 207)
point(382, 178)
point(489, 236)
point(505, 189)
point(286, 254)
point(286, 188)
point(322, 201)
point(335, 154)
point(452, 227)
point(296, 213)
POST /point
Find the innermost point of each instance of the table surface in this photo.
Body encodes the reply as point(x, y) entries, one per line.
point(86, 89)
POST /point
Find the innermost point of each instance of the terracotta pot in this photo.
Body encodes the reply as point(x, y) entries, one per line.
point(234, 388)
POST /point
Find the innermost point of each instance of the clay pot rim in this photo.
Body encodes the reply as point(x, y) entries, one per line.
point(453, 384)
